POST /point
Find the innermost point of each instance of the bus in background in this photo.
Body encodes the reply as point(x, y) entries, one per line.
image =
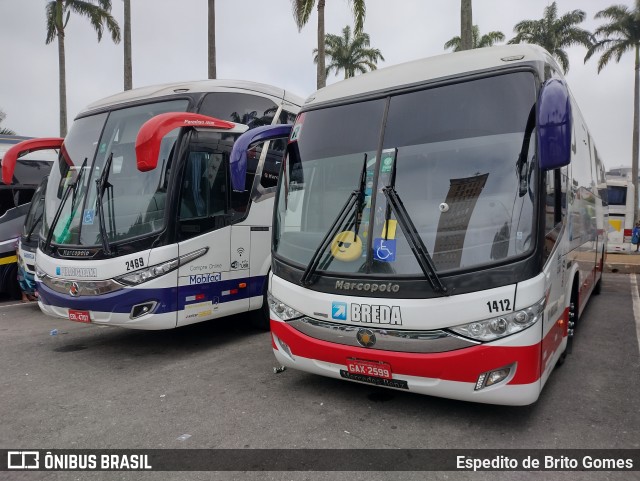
point(147, 223)
point(28, 243)
point(15, 197)
point(620, 198)
point(438, 227)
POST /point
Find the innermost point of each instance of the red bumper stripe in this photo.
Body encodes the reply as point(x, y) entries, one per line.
point(464, 365)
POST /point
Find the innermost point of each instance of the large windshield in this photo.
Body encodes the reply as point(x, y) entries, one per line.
point(459, 157)
point(33, 220)
point(133, 201)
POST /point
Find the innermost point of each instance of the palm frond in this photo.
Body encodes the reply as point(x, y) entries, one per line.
point(302, 11)
point(359, 8)
point(51, 13)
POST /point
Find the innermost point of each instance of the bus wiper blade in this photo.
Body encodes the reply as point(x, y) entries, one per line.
point(101, 185)
point(33, 227)
point(355, 198)
point(65, 196)
point(415, 241)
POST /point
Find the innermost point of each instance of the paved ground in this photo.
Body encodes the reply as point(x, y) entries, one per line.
point(96, 387)
point(623, 263)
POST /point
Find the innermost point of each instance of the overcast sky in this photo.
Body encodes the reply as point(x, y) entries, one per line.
point(257, 40)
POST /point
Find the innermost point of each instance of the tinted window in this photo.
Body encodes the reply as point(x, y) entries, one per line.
point(245, 109)
point(617, 195)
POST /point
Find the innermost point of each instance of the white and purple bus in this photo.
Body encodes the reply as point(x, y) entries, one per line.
point(148, 222)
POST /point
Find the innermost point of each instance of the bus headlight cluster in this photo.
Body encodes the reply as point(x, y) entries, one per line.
point(148, 273)
point(283, 311)
point(502, 326)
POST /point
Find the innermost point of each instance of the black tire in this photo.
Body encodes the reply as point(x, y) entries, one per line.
point(13, 287)
point(597, 289)
point(260, 318)
point(573, 316)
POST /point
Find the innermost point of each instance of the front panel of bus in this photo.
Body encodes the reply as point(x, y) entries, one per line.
point(432, 273)
point(151, 250)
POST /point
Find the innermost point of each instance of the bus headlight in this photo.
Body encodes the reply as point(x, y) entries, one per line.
point(503, 325)
point(284, 312)
point(148, 273)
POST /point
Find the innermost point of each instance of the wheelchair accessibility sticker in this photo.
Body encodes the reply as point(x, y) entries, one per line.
point(89, 215)
point(384, 249)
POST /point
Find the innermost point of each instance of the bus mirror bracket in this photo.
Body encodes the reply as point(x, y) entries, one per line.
point(23, 148)
point(554, 125)
point(238, 160)
point(153, 130)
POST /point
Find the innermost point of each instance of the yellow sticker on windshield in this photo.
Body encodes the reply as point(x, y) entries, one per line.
point(346, 246)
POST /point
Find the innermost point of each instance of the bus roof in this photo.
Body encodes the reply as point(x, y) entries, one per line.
point(8, 141)
point(388, 79)
point(153, 91)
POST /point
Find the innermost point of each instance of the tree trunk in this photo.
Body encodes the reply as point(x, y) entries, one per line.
point(466, 25)
point(636, 126)
point(128, 76)
point(212, 39)
point(322, 74)
point(62, 76)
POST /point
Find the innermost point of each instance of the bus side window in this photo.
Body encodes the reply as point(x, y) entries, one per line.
point(240, 200)
point(555, 206)
point(203, 198)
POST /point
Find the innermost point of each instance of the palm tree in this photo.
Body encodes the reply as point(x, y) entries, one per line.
point(58, 12)
point(3, 130)
point(487, 40)
point(620, 35)
point(128, 75)
point(350, 54)
point(466, 22)
point(553, 33)
point(302, 11)
point(211, 20)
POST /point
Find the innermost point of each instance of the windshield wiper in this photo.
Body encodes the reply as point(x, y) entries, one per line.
point(33, 227)
point(65, 196)
point(101, 185)
point(356, 198)
point(521, 164)
point(413, 238)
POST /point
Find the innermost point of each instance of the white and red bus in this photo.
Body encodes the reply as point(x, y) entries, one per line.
point(438, 227)
point(621, 212)
point(148, 222)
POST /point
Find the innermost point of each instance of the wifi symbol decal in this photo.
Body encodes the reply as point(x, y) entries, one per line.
point(240, 251)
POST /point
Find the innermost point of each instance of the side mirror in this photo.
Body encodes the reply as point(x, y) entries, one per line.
point(23, 148)
point(554, 125)
point(241, 145)
point(153, 130)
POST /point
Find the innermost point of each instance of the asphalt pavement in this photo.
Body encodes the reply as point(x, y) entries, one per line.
point(213, 385)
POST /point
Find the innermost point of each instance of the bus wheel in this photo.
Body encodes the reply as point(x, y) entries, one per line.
point(598, 287)
point(13, 287)
point(572, 320)
point(260, 318)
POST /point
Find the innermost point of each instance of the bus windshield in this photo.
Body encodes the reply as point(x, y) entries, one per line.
point(460, 158)
point(132, 202)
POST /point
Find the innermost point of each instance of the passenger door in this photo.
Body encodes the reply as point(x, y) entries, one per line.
point(207, 286)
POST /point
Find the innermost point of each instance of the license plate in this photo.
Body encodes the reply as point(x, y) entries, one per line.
point(79, 316)
point(369, 368)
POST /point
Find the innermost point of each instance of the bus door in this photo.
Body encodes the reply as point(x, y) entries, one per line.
point(208, 287)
